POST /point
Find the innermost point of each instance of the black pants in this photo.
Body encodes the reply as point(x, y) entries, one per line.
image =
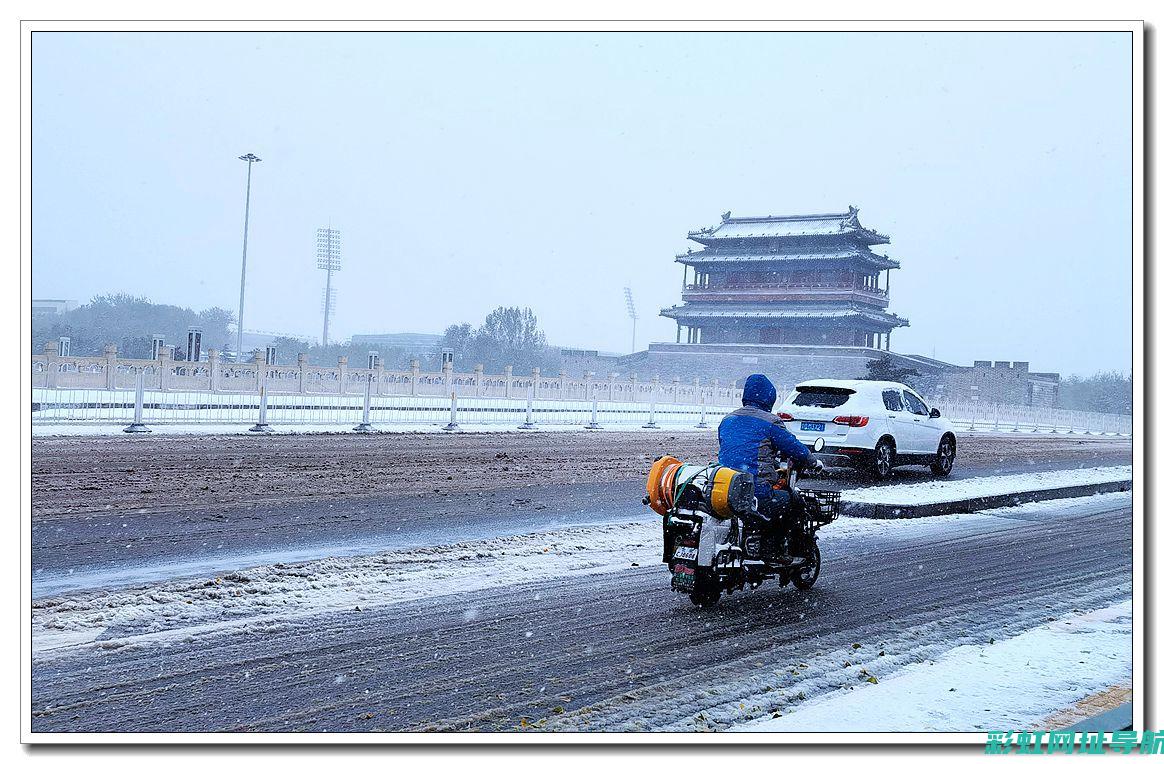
point(784, 516)
point(772, 507)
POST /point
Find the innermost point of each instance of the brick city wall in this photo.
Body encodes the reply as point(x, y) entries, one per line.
point(784, 365)
point(1002, 382)
point(1006, 382)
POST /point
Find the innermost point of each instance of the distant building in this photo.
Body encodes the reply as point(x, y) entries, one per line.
point(787, 280)
point(260, 340)
point(420, 343)
point(801, 297)
point(49, 308)
point(577, 361)
point(792, 296)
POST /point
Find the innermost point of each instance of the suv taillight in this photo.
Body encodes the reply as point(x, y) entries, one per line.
point(784, 415)
point(853, 420)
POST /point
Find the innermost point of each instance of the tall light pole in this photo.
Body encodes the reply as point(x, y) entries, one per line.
point(631, 313)
point(250, 159)
point(327, 258)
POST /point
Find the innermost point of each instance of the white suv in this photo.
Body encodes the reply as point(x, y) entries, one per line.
point(870, 425)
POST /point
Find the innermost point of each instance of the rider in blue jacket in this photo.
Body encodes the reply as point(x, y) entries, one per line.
point(749, 438)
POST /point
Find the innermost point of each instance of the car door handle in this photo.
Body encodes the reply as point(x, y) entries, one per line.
point(893, 416)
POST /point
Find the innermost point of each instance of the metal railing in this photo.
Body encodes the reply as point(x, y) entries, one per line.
point(1000, 417)
point(225, 407)
point(205, 407)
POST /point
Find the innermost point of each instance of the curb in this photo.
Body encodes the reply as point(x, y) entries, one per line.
point(1118, 718)
point(978, 503)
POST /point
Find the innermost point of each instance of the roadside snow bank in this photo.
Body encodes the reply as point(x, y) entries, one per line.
point(263, 598)
point(1011, 684)
point(846, 527)
point(915, 494)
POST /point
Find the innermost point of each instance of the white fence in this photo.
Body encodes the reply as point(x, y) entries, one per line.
point(202, 407)
point(70, 389)
point(975, 416)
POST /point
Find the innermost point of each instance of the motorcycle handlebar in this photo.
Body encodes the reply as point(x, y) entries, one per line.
point(812, 471)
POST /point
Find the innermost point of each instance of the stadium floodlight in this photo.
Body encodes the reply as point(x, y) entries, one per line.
point(327, 249)
point(631, 313)
point(250, 159)
point(327, 258)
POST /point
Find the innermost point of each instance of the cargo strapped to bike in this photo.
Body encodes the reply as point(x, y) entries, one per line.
point(712, 488)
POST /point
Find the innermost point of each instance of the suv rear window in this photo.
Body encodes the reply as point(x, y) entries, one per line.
point(821, 397)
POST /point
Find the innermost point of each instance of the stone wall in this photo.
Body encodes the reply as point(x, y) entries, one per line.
point(999, 382)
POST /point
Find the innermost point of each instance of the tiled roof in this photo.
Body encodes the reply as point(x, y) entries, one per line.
point(832, 224)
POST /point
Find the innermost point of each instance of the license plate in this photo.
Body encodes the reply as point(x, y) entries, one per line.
point(686, 553)
point(812, 426)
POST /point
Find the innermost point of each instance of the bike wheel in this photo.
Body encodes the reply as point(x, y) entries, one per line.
point(705, 593)
point(803, 578)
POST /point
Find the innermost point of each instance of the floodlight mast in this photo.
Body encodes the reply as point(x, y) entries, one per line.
point(250, 159)
point(327, 258)
point(631, 313)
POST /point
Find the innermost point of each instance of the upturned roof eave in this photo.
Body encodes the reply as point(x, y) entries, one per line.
point(694, 258)
point(685, 311)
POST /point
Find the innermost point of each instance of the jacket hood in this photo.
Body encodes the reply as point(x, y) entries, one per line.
point(759, 391)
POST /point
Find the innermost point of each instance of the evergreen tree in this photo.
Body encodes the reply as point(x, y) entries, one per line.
point(1108, 392)
point(507, 336)
point(885, 370)
point(129, 323)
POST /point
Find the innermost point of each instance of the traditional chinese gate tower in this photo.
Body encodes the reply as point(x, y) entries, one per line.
point(786, 280)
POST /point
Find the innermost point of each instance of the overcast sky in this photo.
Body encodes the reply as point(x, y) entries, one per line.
point(468, 171)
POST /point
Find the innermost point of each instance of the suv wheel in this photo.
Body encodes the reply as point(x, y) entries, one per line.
point(881, 463)
point(944, 459)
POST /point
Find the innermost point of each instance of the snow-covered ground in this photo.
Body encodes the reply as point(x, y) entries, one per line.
point(914, 494)
point(1009, 684)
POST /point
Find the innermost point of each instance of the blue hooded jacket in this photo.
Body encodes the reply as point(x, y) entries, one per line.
point(750, 436)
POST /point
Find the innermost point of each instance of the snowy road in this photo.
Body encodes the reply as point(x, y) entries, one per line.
point(566, 629)
point(128, 546)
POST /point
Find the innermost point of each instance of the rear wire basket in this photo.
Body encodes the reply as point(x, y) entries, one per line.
point(823, 506)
